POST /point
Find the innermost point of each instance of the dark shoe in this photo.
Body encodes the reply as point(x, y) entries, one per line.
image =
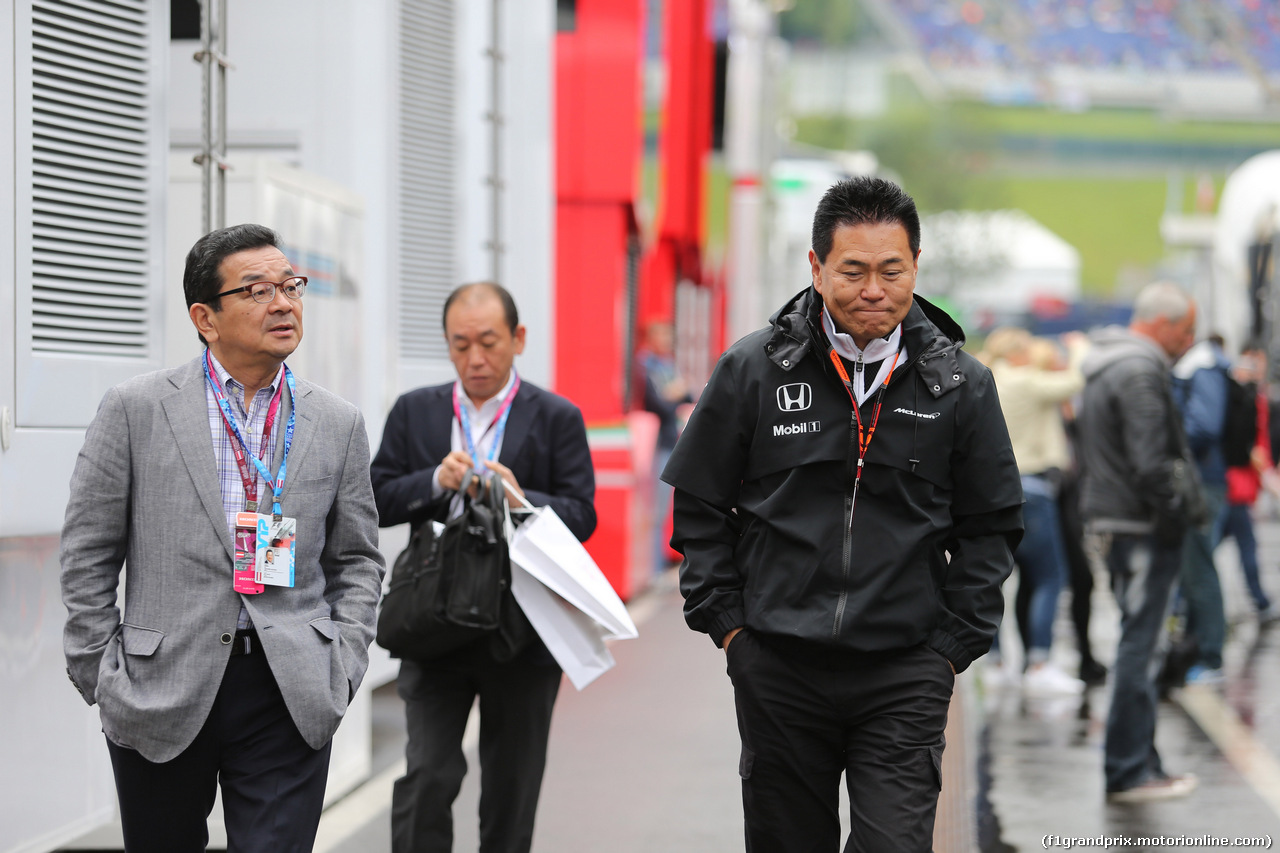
point(1156, 788)
point(1093, 673)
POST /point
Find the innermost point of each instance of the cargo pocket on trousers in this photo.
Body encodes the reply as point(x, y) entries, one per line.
point(745, 762)
point(935, 761)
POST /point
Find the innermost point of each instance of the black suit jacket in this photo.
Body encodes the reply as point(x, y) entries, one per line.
point(545, 446)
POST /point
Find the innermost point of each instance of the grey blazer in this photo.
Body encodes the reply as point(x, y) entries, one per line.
point(145, 493)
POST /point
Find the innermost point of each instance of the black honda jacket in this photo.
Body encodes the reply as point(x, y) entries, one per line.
point(764, 477)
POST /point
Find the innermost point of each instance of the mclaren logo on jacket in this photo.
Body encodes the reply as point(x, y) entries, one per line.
point(929, 416)
point(795, 398)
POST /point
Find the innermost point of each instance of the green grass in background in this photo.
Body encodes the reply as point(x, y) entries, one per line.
point(1113, 222)
point(1116, 124)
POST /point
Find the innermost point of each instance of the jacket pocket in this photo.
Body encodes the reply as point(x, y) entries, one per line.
point(326, 628)
point(304, 487)
point(136, 640)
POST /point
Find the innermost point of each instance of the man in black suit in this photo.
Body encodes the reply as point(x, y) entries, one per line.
point(489, 420)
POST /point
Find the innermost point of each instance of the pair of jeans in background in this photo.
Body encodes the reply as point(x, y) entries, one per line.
point(1201, 591)
point(1143, 573)
point(1238, 523)
point(1042, 569)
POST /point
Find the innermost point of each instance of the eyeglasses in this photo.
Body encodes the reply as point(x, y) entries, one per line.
point(265, 291)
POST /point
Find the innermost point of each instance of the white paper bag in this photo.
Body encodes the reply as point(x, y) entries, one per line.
point(574, 639)
point(548, 551)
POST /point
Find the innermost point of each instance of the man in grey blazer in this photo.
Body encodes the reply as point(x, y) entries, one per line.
point(223, 668)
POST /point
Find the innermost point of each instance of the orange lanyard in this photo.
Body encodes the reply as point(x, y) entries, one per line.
point(863, 441)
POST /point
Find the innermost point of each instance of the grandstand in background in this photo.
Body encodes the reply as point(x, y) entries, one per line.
point(1214, 58)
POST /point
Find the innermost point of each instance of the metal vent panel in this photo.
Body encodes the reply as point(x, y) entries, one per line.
point(427, 167)
point(90, 186)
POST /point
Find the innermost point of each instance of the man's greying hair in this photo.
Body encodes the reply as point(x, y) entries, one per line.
point(508, 304)
point(1161, 299)
point(202, 278)
point(863, 201)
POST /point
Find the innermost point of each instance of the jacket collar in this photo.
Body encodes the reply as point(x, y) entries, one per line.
point(932, 339)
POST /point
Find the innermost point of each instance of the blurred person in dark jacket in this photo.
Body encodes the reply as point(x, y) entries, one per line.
point(1138, 496)
point(1244, 482)
point(1200, 389)
point(487, 421)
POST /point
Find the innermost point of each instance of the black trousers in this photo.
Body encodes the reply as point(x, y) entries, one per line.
point(272, 781)
point(879, 719)
point(516, 698)
point(1081, 573)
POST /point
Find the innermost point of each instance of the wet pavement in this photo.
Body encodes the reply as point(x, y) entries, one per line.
point(1046, 755)
point(645, 759)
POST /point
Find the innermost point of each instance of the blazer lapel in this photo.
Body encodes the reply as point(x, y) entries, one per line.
point(186, 409)
point(304, 430)
point(438, 421)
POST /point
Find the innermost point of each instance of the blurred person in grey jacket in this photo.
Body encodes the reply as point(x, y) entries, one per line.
point(1139, 493)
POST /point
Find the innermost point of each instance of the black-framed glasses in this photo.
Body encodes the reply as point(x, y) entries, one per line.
point(264, 291)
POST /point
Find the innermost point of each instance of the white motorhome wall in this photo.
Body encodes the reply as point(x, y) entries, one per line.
point(1248, 211)
point(82, 151)
point(391, 99)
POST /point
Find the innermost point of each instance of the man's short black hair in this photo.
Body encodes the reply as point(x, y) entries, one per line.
point(864, 200)
point(202, 278)
point(508, 303)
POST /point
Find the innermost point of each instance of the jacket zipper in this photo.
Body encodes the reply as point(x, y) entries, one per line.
point(846, 557)
point(846, 554)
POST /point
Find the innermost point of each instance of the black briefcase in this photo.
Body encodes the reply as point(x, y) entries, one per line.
point(448, 590)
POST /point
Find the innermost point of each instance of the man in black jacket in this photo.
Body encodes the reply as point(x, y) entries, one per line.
point(1137, 496)
point(489, 420)
point(847, 556)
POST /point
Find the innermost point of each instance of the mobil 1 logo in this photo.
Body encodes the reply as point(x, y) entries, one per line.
point(797, 429)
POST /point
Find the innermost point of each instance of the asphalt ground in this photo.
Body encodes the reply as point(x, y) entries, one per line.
point(643, 759)
point(1046, 755)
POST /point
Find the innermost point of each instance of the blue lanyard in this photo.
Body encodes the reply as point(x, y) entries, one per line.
point(500, 420)
point(229, 418)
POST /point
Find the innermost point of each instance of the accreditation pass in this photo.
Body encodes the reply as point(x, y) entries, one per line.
point(274, 557)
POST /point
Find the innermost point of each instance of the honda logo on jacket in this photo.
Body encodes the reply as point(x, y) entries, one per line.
point(795, 397)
